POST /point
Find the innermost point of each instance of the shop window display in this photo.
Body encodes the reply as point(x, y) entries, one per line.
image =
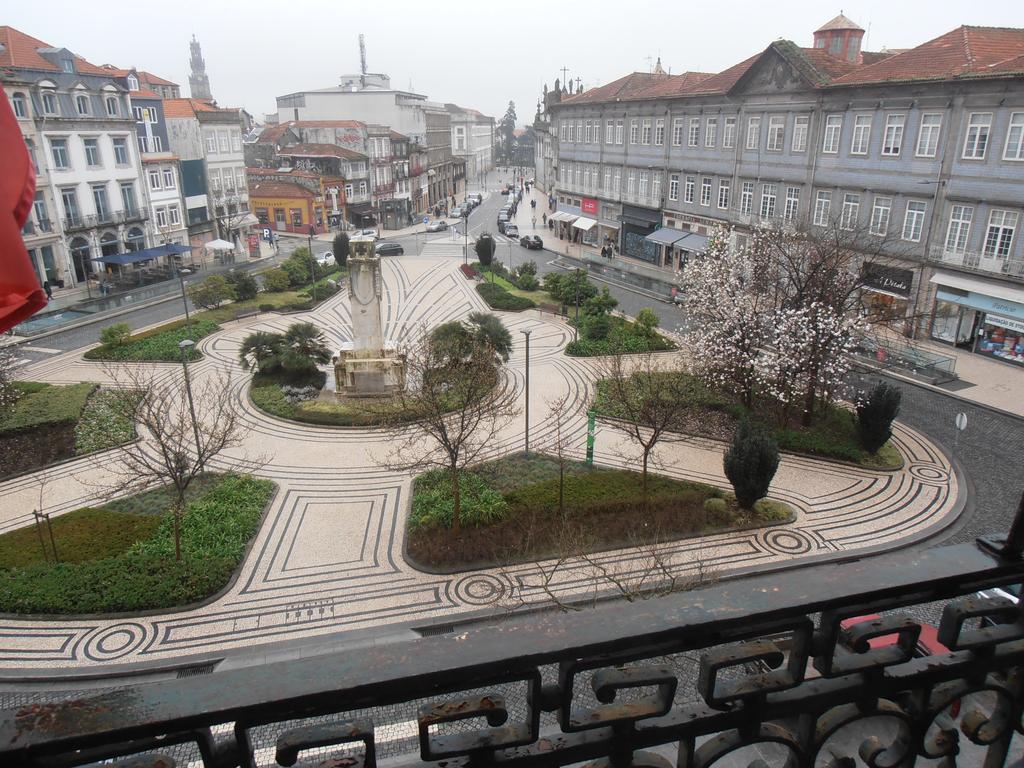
point(1002, 338)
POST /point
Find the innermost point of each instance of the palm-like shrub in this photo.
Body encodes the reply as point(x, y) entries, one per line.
point(488, 329)
point(304, 348)
point(261, 350)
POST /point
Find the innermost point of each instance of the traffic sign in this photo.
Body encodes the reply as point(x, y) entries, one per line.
point(426, 219)
point(267, 234)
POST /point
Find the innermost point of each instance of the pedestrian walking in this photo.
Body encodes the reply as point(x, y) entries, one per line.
point(48, 290)
point(544, 218)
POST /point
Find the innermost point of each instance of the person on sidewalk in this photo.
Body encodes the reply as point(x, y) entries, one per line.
point(48, 290)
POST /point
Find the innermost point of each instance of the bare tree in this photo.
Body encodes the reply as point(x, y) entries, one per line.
point(459, 408)
point(646, 400)
point(559, 445)
point(8, 392)
point(174, 449)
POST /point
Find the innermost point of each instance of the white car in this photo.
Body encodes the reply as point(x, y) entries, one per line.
point(326, 259)
point(364, 233)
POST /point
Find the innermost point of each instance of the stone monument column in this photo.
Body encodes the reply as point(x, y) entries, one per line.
point(364, 298)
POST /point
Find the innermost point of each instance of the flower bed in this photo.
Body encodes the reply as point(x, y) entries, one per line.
point(157, 344)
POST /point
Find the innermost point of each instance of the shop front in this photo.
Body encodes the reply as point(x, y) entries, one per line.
point(637, 224)
point(885, 294)
point(983, 316)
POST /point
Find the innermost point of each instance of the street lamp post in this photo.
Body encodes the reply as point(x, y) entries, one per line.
point(527, 443)
point(465, 226)
point(576, 323)
point(185, 345)
point(312, 265)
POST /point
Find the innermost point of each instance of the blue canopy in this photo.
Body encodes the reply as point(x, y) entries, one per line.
point(146, 254)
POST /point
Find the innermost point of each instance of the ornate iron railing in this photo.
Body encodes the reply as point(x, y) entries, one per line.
point(764, 662)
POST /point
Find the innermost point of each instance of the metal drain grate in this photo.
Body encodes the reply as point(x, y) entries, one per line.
point(436, 629)
point(197, 669)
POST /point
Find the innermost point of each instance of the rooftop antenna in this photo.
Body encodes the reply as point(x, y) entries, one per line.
point(650, 64)
point(362, 60)
point(867, 38)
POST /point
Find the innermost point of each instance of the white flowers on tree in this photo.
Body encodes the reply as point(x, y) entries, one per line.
point(777, 318)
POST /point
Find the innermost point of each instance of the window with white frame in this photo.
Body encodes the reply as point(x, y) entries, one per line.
point(645, 131)
point(82, 104)
point(769, 192)
point(563, 129)
point(20, 106)
point(693, 137)
point(168, 178)
point(747, 197)
point(631, 182)
point(724, 186)
point(861, 135)
point(753, 132)
point(689, 186)
point(92, 152)
point(120, 150)
point(49, 103)
point(579, 131)
point(617, 182)
point(976, 142)
point(800, 127)
point(128, 197)
point(792, 209)
point(1014, 149)
point(223, 143)
point(586, 177)
point(211, 142)
point(851, 211)
point(173, 215)
point(634, 130)
point(215, 179)
point(161, 216)
point(673, 187)
point(677, 132)
point(833, 130)
point(154, 178)
point(609, 132)
point(607, 179)
point(572, 131)
point(776, 132)
point(928, 134)
point(729, 133)
point(236, 141)
point(892, 141)
point(959, 229)
point(59, 153)
point(822, 208)
point(642, 191)
point(348, 191)
point(112, 109)
point(659, 132)
point(913, 222)
point(597, 131)
point(711, 132)
point(656, 187)
point(1002, 225)
point(579, 174)
point(705, 191)
point(881, 211)
point(618, 132)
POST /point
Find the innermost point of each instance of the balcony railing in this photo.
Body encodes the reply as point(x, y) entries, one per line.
point(821, 663)
point(72, 223)
point(32, 228)
point(978, 262)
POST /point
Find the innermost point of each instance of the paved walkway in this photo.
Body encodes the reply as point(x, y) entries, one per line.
point(329, 555)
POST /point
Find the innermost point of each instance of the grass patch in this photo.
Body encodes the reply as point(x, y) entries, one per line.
point(714, 414)
point(510, 513)
point(45, 405)
point(158, 344)
point(538, 297)
point(623, 337)
point(498, 298)
point(142, 574)
point(103, 423)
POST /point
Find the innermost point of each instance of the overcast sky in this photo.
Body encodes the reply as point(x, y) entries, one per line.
point(476, 53)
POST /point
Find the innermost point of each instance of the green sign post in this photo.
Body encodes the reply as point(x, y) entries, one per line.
point(590, 436)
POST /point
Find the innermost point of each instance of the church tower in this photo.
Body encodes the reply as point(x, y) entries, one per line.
point(198, 82)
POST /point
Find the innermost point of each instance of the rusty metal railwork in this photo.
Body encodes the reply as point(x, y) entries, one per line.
point(780, 663)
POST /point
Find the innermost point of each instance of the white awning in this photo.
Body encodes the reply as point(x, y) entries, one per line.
point(976, 285)
point(561, 216)
point(249, 220)
point(584, 223)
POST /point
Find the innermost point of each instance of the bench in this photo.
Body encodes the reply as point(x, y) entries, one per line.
point(246, 313)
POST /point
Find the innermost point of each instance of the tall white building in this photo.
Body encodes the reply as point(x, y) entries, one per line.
point(472, 140)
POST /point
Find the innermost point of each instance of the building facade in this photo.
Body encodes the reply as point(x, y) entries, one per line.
point(78, 126)
point(922, 149)
point(472, 141)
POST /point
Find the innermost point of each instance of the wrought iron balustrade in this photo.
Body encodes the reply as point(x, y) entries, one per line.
point(979, 262)
point(769, 661)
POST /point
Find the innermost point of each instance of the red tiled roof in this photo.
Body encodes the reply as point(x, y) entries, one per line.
point(725, 79)
point(22, 51)
point(189, 107)
point(398, 136)
point(147, 78)
point(839, 22)
point(627, 87)
point(277, 189)
point(873, 57)
point(675, 85)
point(272, 133)
point(320, 150)
point(962, 52)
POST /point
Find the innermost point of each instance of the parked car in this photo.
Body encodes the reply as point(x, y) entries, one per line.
point(389, 249)
point(326, 259)
point(531, 242)
point(362, 234)
point(504, 190)
point(440, 225)
point(476, 197)
point(511, 230)
point(455, 213)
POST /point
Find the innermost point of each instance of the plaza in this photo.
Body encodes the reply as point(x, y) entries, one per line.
point(328, 557)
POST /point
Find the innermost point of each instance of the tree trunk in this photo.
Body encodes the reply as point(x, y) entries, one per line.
point(643, 481)
point(812, 386)
point(179, 508)
point(457, 506)
point(561, 488)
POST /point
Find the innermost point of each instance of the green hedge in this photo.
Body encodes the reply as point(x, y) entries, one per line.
point(104, 423)
point(215, 531)
point(158, 344)
point(623, 337)
point(46, 405)
point(498, 298)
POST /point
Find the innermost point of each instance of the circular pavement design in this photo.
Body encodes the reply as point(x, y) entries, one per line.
point(328, 557)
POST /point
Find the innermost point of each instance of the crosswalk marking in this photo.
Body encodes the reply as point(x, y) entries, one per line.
point(43, 350)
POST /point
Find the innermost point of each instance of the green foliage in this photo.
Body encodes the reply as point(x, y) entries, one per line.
point(46, 407)
point(498, 298)
point(488, 329)
point(212, 292)
point(875, 414)
point(485, 247)
point(261, 350)
point(595, 327)
point(527, 282)
point(750, 463)
point(433, 503)
point(244, 284)
point(646, 322)
point(620, 336)
point(297, 266)
point(600, 304)
point(552, 283)
point(304, 347)
point(115, 335)
point(527, 268)
point(275, 280)
point(340, 248)
point(105, 422)
point(215, 530)
point(716, 505)
point(157, 345)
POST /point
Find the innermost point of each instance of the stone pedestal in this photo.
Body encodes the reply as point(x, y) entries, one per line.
point(360, 373)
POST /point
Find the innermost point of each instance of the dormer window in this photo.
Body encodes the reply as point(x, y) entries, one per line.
point(49, 103)
point(112, 109)
point(133, 83)
point(82, 104)
point(20, 106)
point(67, 65)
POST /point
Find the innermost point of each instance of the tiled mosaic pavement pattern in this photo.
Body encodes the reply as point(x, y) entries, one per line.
point(329, 555)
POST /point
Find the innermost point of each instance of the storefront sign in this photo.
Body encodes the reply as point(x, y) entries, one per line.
point(589, 206)
point(1003, 307)
point(887, 279)
point(1005, 322)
